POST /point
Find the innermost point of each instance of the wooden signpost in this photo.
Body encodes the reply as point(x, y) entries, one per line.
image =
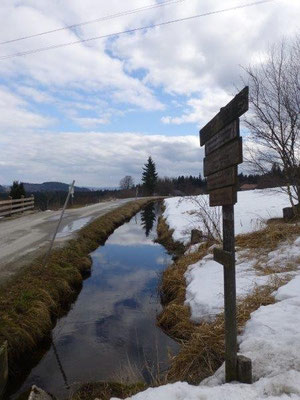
point(223, 152)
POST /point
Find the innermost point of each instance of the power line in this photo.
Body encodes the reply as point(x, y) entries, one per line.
point(41, 49)
point(105, 18)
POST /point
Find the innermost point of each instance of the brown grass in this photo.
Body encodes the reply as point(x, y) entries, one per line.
point(165, 238)
point(106, 390)
point(203, 353)
point(36, 296)
point(269, 237)
point(202, 346)
point(175, 317)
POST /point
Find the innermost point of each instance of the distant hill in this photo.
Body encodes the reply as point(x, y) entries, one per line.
point(51, 187)
point(2, 189)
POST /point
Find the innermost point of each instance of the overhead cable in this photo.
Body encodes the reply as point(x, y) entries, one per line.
point(105, 18)
point(133, 30)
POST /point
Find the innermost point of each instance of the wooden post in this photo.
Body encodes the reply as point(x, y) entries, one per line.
point(10, 198)
point(244, 368)
point(230, 296)
point(22, 202)
point(223, 152)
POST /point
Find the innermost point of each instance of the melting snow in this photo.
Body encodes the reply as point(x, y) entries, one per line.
point(73, 227)
point(271, 337)
point(252, 209)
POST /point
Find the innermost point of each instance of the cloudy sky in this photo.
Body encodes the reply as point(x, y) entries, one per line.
point(95, 111)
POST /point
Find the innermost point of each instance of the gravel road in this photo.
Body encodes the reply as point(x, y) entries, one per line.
point(24, 238)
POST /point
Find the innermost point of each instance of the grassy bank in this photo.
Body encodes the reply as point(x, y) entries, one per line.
point(165, 237)
point(106, 390)
point(32, 300)
point(202, 345)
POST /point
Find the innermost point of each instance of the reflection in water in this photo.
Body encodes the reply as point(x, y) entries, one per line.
point(111, 328)
point(60, 366)
point(148, 217)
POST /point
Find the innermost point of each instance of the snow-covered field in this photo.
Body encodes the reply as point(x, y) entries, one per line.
point(252, 209)
point(271, 338)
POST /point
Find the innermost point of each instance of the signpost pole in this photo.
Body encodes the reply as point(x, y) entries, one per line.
point(230, 296)
point(70, 193)
point(223, 152)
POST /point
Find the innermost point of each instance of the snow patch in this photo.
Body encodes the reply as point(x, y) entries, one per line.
point(73, 227)
point(254, 207)
point(205, 287)
point(271, 340)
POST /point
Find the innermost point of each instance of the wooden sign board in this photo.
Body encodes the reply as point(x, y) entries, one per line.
point(223, 197)
point(226, 177)
point(233, 110)
point(225, 135)
point(227, 156)
point(223, 152)
point(223, 257)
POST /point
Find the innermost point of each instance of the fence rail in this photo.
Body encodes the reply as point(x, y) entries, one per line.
point(12, 206)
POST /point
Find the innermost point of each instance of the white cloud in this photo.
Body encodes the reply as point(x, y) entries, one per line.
point(196, 62)
point(89, 123)
point(38, 96)
point(15, 114)
point(86, 67)
point(94, 158)
point(200, 110)
point(190, 56)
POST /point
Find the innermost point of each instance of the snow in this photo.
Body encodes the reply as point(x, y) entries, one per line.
point(205, 288)
point(252, 209)
point(271, 340)
point(73, 226)
point(204, 279)
point(286, 253)
point(283, 387)
point(271, 337)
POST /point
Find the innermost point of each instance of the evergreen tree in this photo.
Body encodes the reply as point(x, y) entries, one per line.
point(149, 177)
point(148, 217)
point(17, 190)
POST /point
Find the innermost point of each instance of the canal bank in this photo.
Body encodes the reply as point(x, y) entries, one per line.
point(110, 332)
point(33, 299)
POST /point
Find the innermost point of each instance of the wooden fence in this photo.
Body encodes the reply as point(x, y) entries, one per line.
point(10, 206)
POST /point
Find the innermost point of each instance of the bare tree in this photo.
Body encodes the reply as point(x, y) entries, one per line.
point(274, 118)
point(126, 183)
point(208, 218)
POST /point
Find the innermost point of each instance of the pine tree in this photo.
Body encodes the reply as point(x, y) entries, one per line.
point(148, 217)
point(149, 177)
point(17, 190)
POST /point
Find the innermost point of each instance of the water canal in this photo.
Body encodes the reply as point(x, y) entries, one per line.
point(110, 331)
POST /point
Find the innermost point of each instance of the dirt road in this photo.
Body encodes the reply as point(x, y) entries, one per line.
point(24, 238)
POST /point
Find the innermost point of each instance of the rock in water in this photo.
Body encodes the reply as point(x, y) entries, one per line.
point(39, 394)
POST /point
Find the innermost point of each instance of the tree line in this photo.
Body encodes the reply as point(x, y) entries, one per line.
point(182, 185)
point(151, 184)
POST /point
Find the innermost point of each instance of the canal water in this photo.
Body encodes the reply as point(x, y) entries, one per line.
point(110, 331)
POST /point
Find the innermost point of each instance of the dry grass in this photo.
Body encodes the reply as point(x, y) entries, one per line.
point(202, 346)
point(165, 238)
point(175, 317)
point(263, 269)
point(269, 237)
point(36, 296)
point(203, 353)
point(106, 390)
